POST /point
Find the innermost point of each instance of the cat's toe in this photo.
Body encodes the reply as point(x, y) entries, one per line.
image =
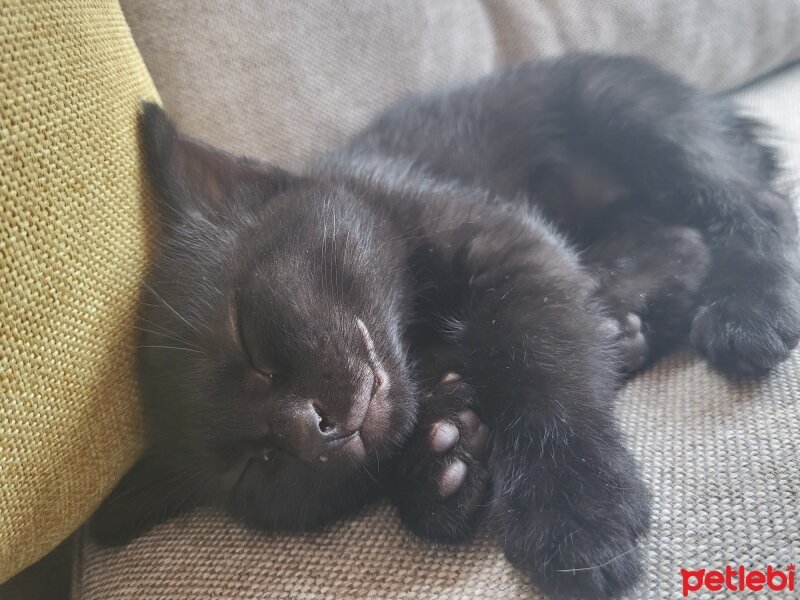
point(451, 477)
point(628, 331)
point(465, 438)
point(450, 377)
point(443, 436)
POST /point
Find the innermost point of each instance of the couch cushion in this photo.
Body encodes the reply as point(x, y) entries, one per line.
point(720, 458)
point(73, 239)
point(282, 80)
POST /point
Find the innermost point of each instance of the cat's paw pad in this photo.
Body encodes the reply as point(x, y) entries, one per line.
point(442, 480)
point(747, 334)
point(450, 440)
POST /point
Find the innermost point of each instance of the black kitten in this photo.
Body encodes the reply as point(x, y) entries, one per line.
point(490, 259)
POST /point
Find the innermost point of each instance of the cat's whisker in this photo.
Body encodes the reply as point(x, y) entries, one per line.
point(177, 487)
point(173, 348)
point(164, 335)
point(324, 243)
point(160, 326)
point(169, 306)
point(334, 270)
point(155, 332)
point(600, 566)
point(371, 475)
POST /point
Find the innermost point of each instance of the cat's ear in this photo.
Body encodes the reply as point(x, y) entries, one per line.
point(147, 495)
point(193, 178)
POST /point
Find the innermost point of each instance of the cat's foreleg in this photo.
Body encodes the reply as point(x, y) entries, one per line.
point(567, 499)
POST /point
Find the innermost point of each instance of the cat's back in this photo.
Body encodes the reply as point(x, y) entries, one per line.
point(466, 132)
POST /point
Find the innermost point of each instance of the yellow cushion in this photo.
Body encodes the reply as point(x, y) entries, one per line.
point(74, 228)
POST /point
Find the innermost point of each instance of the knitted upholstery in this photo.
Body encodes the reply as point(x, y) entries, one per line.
point(73, 235)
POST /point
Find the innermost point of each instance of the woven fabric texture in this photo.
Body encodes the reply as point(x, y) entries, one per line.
point(720, 458)
point(73, 239)
point(283, 79)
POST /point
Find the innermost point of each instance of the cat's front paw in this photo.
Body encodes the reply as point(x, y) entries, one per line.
point(751, 331)
point(592, 560)
point(577, 536)
point(442, 481)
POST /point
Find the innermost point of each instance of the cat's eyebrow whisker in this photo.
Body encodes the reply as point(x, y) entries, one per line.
point(169, 306)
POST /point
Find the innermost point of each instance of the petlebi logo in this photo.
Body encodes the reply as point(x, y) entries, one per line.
point(739, 579)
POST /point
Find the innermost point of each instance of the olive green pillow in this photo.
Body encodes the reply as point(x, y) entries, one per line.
point(73, 244)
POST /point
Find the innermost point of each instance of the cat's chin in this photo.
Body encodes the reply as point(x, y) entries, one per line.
point(290, 494)
point(260, 469)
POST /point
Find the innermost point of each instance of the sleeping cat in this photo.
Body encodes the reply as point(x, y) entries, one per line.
point(444, 308)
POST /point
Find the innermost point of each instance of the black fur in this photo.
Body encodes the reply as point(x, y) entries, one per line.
point(539, 233)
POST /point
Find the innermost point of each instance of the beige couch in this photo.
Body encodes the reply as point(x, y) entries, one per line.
point(283, 79)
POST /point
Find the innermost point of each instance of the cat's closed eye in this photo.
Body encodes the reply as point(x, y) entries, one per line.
point(251, 350)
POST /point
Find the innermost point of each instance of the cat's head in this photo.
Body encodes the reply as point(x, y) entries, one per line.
point(272, 371)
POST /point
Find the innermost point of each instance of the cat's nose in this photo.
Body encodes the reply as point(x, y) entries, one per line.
point(315, 433)
point(323, 424)
point(329, 426)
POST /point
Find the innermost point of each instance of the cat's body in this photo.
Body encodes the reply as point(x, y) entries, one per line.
point(497, 254)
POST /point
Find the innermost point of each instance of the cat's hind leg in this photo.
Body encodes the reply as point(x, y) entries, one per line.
point(649, 276)
point(688, 159)
point(582, 133)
